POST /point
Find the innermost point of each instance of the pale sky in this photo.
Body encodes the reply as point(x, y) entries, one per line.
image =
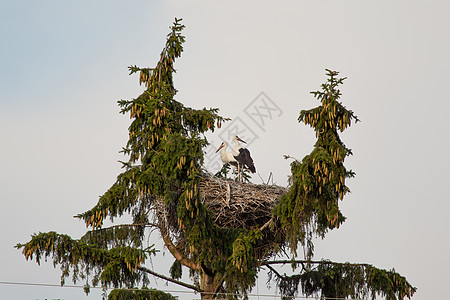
point(63, 66)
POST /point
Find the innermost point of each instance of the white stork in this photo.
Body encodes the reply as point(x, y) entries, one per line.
point(242, 155)
point(227, 157)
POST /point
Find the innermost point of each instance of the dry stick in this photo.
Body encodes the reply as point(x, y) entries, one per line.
point(268, 179)
point(261, 178)
point(265, 225)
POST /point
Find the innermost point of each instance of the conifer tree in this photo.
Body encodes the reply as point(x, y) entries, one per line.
point(159, 188)
point(311, 207)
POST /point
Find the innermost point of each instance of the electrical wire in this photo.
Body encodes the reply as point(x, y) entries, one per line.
point(169, 291)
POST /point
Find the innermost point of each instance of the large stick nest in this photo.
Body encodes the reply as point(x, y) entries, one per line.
point(245, 205)
point(235, 205)
point(239, 205)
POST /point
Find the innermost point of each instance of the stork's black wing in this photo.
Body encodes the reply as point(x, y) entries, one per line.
point(245, 159)
point(233, 163)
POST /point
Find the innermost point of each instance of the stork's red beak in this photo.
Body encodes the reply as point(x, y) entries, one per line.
point(221, 146)
point(239, 139)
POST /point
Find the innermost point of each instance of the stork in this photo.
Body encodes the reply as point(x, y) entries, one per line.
point(227, 157)
point(242, 155)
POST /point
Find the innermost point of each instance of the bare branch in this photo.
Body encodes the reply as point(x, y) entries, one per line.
point(189, 286)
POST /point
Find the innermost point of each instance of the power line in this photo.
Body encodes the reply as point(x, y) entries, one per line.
point(44, 284)
point(168, 291)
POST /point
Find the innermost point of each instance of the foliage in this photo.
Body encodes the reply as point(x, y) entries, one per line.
point(139, 294)
point(175, 270)
point(340, 280)
point(114, 267)
point(223, 173)
point(318, 181)
point(242, 265)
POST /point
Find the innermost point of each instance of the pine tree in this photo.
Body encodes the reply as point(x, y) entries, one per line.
point(311, 207)
point(160, 188)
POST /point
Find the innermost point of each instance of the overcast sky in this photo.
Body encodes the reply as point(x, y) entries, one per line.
point(63, 66)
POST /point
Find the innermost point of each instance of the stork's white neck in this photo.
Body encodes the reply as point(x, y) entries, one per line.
point(237, 146)
point(223, 152)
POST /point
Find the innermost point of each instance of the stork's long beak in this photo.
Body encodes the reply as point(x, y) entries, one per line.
point(239, 139)
point(221, 146)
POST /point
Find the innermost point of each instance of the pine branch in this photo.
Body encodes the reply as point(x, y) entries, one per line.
point(288, 156)
point(333, 279)
point(287, 261)
point(274, 271)
point(186, 285)
point(129, 225)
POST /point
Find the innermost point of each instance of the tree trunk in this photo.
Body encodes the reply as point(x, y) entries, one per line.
point(207, 285)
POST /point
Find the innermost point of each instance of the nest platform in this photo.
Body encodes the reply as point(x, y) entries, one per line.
point(237, 204)
point(234, 205)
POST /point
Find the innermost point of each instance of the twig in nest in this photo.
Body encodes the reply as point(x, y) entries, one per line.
point(228, 194)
